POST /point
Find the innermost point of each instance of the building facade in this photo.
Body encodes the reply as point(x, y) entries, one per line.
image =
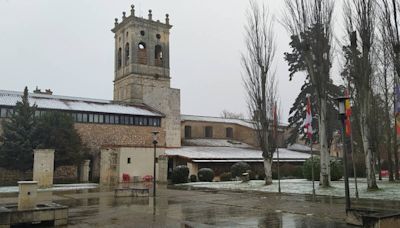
point(119, 132)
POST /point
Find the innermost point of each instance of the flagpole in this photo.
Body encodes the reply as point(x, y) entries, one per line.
point(312, 169)
point(352, 147)
point(279, 176)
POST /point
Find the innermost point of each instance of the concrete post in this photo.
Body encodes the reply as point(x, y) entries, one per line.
point(193, 168)
point(27, 195)
point(43, 167)
point(162, 169)
point(85, 168)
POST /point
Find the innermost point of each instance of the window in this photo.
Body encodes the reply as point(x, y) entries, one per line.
point(3, 112)
point(142, 53)
point(128, 161)
point(79, 117)
point(107, 119)
point(84, 117)
point(119, 60)
point(208, 132)
point(229, 132)
point(101, 119)
point(142, 33)
point(158, 56)
point(127, 54)
point(188, 132)
point(91, 118)
point(95, 118)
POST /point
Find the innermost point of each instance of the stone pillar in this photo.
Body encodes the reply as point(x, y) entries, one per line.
point(193, 168)
point(43, 167)
point(27, 195)
point(162, 169)
point(84, 174)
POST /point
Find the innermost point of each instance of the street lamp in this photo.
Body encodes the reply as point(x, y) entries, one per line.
point(342, 118)
point(155, 133)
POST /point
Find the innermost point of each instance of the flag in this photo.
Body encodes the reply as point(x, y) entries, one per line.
point(397, 104)
point(348, 114)
point(308, 120)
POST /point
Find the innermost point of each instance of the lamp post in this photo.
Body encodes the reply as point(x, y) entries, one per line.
point(155, 133)
point(342, 117)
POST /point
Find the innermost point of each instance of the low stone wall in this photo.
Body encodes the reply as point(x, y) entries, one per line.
point(11, 177)
point(66, 174)
point(62, 174)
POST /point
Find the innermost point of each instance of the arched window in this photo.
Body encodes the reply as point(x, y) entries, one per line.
point(158, 55)
point(119, 61)
point(127, 54)
point(142, 53)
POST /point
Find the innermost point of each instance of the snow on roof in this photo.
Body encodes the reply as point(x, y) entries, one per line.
point(246, 123)
point(47, 101)
point(231, 153)
point(299, 147)
point(215, 143)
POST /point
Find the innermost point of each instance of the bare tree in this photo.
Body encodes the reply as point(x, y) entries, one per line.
point(259, 79)
point(359, 18)
point(384, 88)
point(391, 38)
point(309, 24)
point(231, 115)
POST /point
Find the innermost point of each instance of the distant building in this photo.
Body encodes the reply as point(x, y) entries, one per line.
point(119, 132)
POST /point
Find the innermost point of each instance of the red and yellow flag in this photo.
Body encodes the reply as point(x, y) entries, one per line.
point(348, 113)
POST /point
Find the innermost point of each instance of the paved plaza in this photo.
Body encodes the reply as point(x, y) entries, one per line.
point(200, 208)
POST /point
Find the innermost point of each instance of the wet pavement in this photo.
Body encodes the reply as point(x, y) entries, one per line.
point(201, 208)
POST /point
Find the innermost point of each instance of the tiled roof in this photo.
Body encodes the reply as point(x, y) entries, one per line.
point(46, 101)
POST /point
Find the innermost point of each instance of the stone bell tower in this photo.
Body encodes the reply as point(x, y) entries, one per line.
point(142, 69)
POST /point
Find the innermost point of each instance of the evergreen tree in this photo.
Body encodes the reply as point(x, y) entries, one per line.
point(298, 113)
point(17, 149)
point(56, 130)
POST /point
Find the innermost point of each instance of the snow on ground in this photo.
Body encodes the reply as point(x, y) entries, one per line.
point(388, 191)
point(56, 187)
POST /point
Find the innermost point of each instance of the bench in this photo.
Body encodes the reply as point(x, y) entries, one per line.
point(131, 192)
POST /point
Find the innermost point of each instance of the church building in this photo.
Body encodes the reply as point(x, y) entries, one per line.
point(119, 132)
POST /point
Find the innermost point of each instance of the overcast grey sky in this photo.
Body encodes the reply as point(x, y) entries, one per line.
point(67, 46)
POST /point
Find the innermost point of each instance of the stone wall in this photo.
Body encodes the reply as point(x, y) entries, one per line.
point(65, 173)
point(61, 174)
point(11, 177)
point(240, 133)
point(96, 136)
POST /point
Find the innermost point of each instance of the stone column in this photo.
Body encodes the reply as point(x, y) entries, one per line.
point(84, 175)
point(162, 169)
point(193, 168)
point(27, 195)
point(43, 167)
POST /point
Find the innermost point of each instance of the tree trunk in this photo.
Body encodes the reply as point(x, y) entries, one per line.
point(268, 170)
point(365, 134)
point(325, 175)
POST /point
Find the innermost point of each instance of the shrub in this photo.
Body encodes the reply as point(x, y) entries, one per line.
point(225, 176)
point(206, 174)
point(193, 178)
point(261, 176)
point(180, 174)
point(307, 168)
point(238, 168)
point(252, 175)
point(336, 170)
